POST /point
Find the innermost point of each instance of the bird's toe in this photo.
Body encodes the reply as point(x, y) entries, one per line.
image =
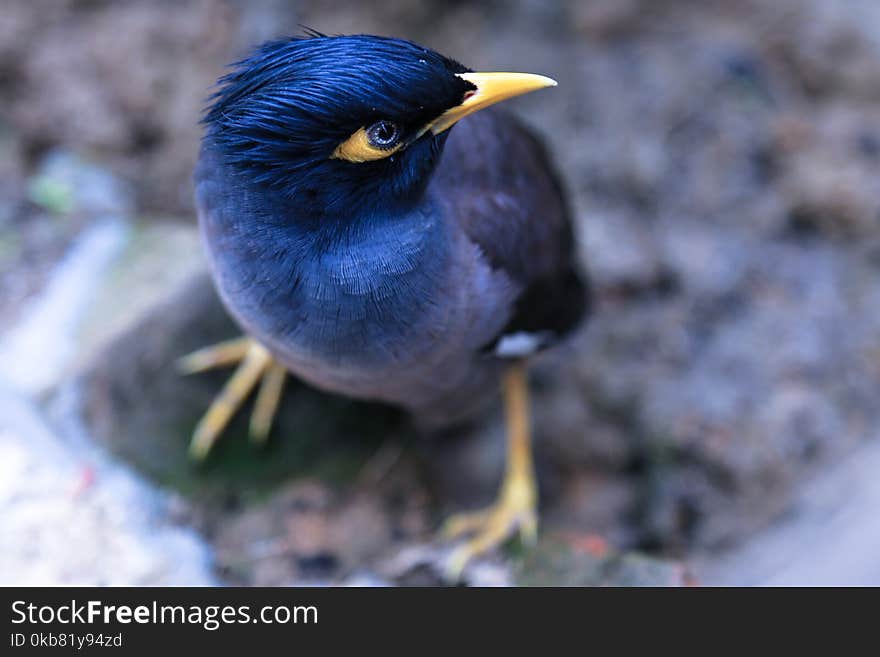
point(255, 365)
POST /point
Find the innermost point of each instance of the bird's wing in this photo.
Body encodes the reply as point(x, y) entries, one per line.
point(510, 203)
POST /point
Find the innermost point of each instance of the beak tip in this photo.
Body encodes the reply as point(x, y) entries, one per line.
point(541, 81)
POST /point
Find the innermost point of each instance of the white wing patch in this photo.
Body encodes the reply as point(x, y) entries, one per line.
point(521, 344)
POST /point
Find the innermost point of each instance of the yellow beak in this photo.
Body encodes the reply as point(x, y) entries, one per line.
point(491, 88)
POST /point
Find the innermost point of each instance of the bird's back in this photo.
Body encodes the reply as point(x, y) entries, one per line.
point(505, 195)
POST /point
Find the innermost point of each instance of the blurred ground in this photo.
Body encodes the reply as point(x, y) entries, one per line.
point(723, 160)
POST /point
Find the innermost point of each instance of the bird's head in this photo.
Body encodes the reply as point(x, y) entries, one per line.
point(344, 121)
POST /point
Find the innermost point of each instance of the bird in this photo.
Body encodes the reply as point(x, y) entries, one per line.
point(380, 230)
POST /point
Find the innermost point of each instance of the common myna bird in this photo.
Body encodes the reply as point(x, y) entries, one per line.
point(378, 233)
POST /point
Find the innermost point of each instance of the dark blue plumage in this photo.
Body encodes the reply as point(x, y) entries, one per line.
point(393, 278)
point(280, 114)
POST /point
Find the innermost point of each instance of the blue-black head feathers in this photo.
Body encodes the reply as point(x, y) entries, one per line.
point(279, 115)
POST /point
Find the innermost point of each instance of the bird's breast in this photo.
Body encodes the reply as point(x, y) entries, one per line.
point(400, 317)
point(413, 338)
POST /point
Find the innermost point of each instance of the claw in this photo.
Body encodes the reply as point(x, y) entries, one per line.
point(218, 355)
point(268, 398)
point(255, 364)
point(462, 524)
point(514, 513)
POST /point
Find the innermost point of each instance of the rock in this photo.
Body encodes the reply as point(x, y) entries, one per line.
point(112, 272)
point(37, 352)
point(142, 409)
point(72, 517)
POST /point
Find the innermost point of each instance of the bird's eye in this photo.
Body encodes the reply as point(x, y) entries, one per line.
point(383, 134)
point(374, 142)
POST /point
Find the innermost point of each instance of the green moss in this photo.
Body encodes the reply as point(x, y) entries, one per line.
point(48, 193)
point(317, 435)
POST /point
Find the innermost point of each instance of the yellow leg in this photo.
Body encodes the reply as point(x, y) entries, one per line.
point(516, 507)
point(255, 364)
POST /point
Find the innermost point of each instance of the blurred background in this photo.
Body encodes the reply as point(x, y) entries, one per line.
point(715, 423)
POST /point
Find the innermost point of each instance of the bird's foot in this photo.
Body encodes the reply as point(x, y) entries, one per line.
point(515, 511)
point(255, 365)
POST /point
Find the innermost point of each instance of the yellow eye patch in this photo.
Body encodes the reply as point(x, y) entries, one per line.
point(358, 148)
